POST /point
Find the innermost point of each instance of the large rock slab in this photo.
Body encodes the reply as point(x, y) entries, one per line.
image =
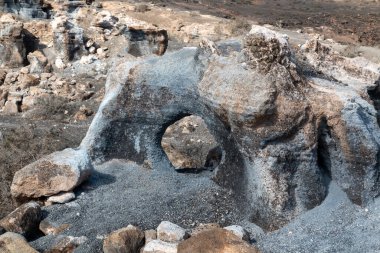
point(59, 172)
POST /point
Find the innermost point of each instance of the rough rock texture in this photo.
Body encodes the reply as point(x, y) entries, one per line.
point(14, 243)
point(170, 232)
point(12, 49)
point(216, 241)
point(24, 220)
point(125, 240)
point(61, 198)
point(238, 231)
point(59, 172)
point(49, 228)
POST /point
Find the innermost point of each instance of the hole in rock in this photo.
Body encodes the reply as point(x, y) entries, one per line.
point(190, 146)
point(374, 94)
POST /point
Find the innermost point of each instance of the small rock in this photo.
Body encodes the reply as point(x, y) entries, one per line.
point(24, 220)
point(49, 228)
point(150, 235)
point(170, 232)
point(38, 62)
point(157, 246)
point(90, 43)
point(15, 243)
point(66, 244)
point(28, 80)
point(238, 231)
point(62, 198)
point(126, 240)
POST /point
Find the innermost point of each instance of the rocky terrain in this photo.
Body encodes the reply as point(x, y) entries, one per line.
point(189, 126)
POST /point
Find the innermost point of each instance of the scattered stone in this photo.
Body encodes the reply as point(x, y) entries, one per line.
point(62, 198)
point(59, 172)
point(170, 232)
point(92, 50)
point(83, 113)
point(24, 220)
point(238, 231)
point(24, 70)
point(158, 246)
point(216, 240)
point(59, 63)
point(14, 243)
point(126, 240)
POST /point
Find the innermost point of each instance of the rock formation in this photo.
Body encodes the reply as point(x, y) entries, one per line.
point(27, 8)
point(12, 49)
point(286, 124)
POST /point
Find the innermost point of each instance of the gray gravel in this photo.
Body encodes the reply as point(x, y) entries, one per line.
point(122, 193)
point(336, 225)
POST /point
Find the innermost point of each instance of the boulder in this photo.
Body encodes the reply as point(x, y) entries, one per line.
point(170, 232)
point(216, 241)
point(15, 243)
point(28, 80)
point(126, 240)
point(158, 246)
point(24, 220)
point(59, 172)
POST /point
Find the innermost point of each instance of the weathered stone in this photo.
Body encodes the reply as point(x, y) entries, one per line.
point(59, 172)
point(216, 241)
point(157, 246)
point(38, 62)
point(170, 232)
point(49, 228)
point(15, 243)
point(66, 244)
point(62, 198)
point(150, 235)
point(24, 220)
point(105, 20)
point(126, 240)
point(27, 9)
point(238, 231)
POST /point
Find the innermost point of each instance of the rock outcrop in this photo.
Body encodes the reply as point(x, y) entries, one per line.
point(12, 49)
point(27, 9)
point(285, 127)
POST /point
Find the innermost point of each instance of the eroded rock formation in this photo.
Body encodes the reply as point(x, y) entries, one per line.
point(286, 127)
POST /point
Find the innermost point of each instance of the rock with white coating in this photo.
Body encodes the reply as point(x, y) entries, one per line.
point(158, 246)
point(62, 198)
point(238, 231)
